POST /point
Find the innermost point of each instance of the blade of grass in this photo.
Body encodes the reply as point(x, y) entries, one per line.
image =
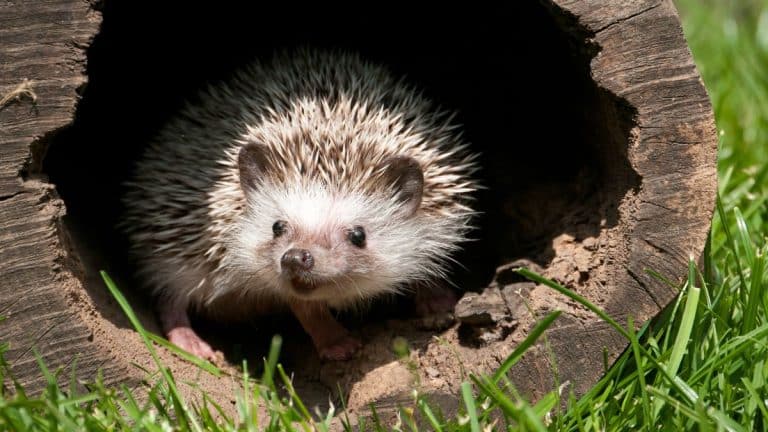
point(586, 303)
point(572, 295)
point(431, 418)
point(731, 244)
point(178, 400)
point(521, 349)
point(640, 365)
point(270, 363)
point(197, 361)
point(683, 333)
point(749, 321)
point(743, 236)
point(292, 393)
point(469, 403)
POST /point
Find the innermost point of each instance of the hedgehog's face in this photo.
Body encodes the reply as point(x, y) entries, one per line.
point(316, 244)
point(319, 247)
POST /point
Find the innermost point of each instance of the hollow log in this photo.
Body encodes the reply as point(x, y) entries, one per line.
point(599, 153)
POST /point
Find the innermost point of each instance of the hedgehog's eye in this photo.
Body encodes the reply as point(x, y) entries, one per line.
point(279, 227)
point(356, 236)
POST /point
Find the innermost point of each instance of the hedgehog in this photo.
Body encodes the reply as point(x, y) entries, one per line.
point(312, 183)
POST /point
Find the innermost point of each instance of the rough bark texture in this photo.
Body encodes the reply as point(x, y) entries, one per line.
point(42, 41)
point(643, 59)
point(658, 154)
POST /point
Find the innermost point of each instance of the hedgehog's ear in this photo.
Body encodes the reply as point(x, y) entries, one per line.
point(408, 179)
point(252, 162)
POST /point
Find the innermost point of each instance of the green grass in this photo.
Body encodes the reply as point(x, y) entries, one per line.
point(703, 365)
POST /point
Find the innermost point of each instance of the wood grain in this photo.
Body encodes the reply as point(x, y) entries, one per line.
point(42, 41)
point(643, 60)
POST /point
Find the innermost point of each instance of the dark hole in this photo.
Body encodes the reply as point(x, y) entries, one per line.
point(553, 144)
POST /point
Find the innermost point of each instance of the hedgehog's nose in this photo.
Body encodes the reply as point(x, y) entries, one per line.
point(297, 260)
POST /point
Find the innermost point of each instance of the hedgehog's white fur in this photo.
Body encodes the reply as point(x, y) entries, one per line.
point(330, 120)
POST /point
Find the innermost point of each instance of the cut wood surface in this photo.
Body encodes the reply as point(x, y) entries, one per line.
point(643, 59)
point(661, 163)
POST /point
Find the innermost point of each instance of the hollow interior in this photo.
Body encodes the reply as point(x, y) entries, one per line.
point(553, 144)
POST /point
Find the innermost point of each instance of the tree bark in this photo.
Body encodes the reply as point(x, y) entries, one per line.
point(643, 59)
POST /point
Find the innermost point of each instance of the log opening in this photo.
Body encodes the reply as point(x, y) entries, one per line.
point(554, 144)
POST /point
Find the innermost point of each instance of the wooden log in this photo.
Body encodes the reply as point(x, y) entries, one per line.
point(43, 45)
point(613, 105)
point(643, 60)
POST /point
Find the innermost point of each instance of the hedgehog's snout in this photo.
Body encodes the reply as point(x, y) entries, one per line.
point(297, 265)
point(297, 261)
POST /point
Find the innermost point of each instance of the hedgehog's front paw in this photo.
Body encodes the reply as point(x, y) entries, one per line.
point(186, 339)
point(341, 349)
point(331, 340)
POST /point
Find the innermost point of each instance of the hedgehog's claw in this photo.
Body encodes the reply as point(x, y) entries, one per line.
point(178, 329)
point(331, 340)
point(186, 338)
